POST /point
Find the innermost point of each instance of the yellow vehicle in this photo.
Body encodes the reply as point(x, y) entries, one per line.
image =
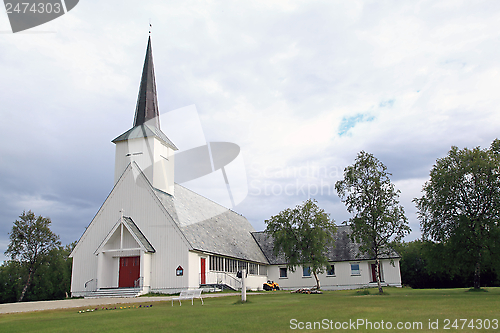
point(270, 285)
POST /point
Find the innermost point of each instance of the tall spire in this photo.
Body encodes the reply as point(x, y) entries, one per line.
point(147, 104)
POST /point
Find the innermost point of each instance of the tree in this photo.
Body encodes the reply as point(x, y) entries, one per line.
point(31, 240)
point(378, 219)
point(427, 264)
point(10, 281)
point(461, 205)
point(50, 281)
point(303, 235)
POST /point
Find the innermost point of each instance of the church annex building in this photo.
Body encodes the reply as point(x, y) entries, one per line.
point(153, 235)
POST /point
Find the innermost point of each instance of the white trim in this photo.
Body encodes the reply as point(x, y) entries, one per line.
point(120, 223)
point(123, 250)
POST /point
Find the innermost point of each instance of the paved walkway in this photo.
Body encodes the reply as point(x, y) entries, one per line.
point(91, 302)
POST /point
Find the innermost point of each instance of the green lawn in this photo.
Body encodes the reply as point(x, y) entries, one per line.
point(274, 311)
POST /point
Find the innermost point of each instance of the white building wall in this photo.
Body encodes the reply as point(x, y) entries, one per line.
point(163, 171)
point(133, 194)
point(255, 282)
point(154, 158)
point(343, 279)
point(193, 269)
point(146, 271)
point(391, 272)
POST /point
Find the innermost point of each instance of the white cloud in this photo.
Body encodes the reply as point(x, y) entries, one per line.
point(275, 77)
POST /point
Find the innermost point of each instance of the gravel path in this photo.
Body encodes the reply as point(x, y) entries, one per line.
point(91, 302)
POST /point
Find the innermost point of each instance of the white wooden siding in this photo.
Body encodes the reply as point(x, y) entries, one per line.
point(154, 158)
point(343, 279)
point(135, 196)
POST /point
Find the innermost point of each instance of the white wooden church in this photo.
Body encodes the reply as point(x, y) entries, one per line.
point(153, 235)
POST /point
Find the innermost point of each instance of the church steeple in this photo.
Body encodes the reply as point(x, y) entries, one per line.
point(147, 103)
point(145, 144)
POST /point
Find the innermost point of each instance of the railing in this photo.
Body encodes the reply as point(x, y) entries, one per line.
point(222, 278)
point(139, 283)
point(91, 285)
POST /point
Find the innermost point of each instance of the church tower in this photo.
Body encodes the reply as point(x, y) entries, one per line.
point(145, 144)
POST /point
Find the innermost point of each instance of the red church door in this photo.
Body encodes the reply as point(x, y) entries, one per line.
point(129, 271)
point(374, 273)
point(203, 278)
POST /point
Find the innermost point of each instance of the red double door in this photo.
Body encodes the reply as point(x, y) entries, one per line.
point(129, 271)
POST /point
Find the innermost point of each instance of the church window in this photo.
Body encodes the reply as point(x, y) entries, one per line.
point(231, 265)
point(355, 269)
point(331, 271)
point(216, 263)
point(252, 268)
point(242, 265)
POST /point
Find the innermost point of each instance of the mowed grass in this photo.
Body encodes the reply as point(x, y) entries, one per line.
point(273, 311)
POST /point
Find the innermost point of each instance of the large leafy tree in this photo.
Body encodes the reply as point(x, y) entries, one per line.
point(31, 240)
point(370, 196)
point(50, 281)
point(460, 206)
point(303, 236)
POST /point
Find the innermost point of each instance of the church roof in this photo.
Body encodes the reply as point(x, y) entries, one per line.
point(147, 116)
point(138, 234)
point(134, 231)
point(345, 249)
point(147, 103)
point(143, 131)
point(210, 227)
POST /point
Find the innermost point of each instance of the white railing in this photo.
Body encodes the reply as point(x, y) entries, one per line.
point(139, 283)
point(222, 278)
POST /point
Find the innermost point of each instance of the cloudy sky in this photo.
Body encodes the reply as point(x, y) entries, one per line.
point(300, 86)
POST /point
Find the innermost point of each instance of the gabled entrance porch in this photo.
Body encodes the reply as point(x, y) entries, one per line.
point(123, 260)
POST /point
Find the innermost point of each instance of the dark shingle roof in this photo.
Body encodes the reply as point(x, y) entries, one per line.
point(344, 250)
point(144, 131)
point(147, 117)
point(140, 236)
point(210, 227)
point(147, 102)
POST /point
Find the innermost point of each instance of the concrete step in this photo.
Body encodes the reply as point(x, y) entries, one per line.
point(114, 292)
point(221, 286)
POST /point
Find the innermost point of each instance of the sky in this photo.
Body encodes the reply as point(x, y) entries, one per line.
point(300, 86)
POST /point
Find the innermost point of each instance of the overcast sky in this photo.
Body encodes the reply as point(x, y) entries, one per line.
point(300, 86)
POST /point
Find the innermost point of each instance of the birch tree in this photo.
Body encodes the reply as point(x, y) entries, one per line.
point(303, 235)
point(30, 242)
point(371, 197)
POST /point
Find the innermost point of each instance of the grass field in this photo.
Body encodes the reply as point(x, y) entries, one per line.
point(273, 312)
